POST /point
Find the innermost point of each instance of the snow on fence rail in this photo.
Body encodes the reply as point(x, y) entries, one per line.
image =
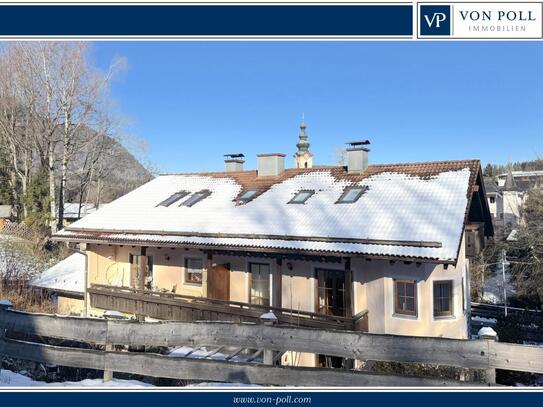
point(478, 354)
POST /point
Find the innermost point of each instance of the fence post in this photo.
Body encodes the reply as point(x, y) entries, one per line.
point(109, 347)
point(268, 319)
point(488, 334)
point(4, 306)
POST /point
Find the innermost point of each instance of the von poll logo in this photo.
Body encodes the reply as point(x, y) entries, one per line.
point(435, 20)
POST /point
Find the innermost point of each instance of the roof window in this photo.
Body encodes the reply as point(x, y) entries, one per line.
point(352, 194)
point(248, 195)
point(301, 196)
point(196, 197)
point(174, 198)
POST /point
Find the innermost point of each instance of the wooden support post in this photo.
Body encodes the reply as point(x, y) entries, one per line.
point(205, 275)
point(489, 335)
point(268, 319)
point(142, 268)
point(278, 284)
point(349, 309)
point(109, 347)
point(4, 306)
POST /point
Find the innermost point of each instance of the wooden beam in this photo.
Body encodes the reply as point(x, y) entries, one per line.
point(278, 284)
point(480, 354)
point(208, 370)
point(349, 292)
point(326, 239)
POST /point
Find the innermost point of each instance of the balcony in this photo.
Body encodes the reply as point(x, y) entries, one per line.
point(177, 307)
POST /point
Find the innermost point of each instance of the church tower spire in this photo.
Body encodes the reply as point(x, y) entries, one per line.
point(303, 157)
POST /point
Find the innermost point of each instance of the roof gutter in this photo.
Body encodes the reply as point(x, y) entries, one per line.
point(249, 249)
point(325, 239)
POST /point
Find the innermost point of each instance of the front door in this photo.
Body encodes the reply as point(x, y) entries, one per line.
point(332, 293)
point(219, 284)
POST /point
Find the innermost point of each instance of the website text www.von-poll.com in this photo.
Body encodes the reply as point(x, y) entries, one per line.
point(271, 400)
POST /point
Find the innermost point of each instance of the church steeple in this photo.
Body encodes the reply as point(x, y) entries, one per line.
point(303, 157)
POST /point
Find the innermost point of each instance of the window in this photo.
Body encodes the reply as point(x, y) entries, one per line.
point(196, 197)
point(248, 195)
point(352, 194)
point(442, 298)
point(193, 271)
point(405, 297)
point(301, 197)
point(492, 200)
point(260, 283)
point(174, 198)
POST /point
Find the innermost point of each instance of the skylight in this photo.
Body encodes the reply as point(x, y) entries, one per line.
point(248, 195)
point(301, 196)
point(352, 194)
point(174, 198)
point(196, 197)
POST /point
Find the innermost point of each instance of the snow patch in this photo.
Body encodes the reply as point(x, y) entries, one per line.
point(12, 379)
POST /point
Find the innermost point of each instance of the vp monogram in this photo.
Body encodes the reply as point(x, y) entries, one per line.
point(436, 18)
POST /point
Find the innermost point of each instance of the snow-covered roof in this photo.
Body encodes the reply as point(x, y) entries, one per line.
point(67, 275)
point(71, 210)
point(523, 174)
point(5, 211)
point(408, 210)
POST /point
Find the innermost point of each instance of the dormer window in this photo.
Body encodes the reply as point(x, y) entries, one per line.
point(352, 194)
point(301, 196)
point(196, 197)
point(248, 195)
point(174, 198)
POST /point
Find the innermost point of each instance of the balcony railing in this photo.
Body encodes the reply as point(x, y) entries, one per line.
point(178, 307)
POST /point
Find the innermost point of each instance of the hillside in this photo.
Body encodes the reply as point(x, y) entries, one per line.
point(103, 169)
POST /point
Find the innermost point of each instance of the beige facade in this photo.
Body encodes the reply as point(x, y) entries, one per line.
point(372, 288)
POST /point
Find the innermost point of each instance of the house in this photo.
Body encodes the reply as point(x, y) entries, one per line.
point(494, 196)
point(65, 281)
point(524, 180)
point(74, 211)
point(506, 197)
point(6, 212)
point(381, 248)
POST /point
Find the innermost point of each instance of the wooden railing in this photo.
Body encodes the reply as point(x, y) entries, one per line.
point(178, 307)
point(102, 334)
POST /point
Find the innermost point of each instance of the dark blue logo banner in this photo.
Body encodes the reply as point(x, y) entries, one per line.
point(198, 20)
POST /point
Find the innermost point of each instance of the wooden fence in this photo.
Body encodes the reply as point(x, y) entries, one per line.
point(103, 334)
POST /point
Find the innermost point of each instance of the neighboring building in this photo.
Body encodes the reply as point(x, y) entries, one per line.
point(66, 282)
point(506, 197)
point(6, 212)
point(524, 180)
point(495, 201)
point(386, 248)
point(75, 211)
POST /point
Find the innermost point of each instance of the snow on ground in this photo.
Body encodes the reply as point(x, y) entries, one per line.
point(484, 320)
point(12, 379)
point(183, 351)
point(494, 287)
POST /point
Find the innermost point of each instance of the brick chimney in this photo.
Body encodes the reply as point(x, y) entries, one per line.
point(357, 156)
point(270, 165)
point(234, 162)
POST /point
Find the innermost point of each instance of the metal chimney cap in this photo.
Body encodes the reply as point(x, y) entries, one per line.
point(235, 155)
point(358, 143)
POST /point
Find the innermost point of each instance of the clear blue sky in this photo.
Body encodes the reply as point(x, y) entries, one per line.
point(415, 101)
